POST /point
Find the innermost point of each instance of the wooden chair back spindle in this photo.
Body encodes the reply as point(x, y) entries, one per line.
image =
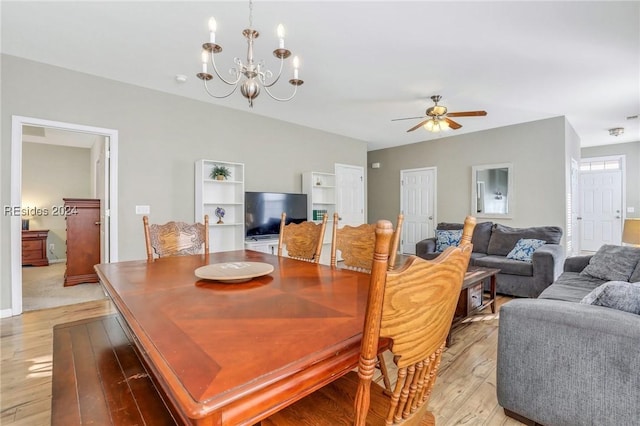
point(395, 242)
point(302, 240)
point(176, 238)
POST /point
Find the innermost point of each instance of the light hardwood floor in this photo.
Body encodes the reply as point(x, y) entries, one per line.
point(465, 393)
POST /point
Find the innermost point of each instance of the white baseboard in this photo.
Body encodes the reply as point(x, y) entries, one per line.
point(5, 313)
point(57, 260)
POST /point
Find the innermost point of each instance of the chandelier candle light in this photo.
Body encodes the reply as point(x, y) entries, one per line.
point(254, 74)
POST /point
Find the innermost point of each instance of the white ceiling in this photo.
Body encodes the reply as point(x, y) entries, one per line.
point(365, 63)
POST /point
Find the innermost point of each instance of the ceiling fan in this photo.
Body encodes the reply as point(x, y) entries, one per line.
point(437, 117)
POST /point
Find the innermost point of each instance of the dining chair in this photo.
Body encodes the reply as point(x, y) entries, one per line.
point(176, 238)
point(413, 307)
point(303, 241)
point(356, 245)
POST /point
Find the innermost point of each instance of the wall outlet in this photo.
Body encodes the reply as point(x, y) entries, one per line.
point(631, 210)
point(52, 247)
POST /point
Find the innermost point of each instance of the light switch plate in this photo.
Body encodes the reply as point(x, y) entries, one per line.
point(143, 209)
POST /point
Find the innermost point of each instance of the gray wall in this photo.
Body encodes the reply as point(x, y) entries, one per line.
point(160, 137)
point(632, 153)
point(536, 150)
point(49, 174)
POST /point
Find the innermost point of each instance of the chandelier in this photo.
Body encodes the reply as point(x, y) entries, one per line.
point(256, 76)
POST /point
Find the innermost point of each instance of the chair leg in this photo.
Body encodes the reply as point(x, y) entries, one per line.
point(385, 375)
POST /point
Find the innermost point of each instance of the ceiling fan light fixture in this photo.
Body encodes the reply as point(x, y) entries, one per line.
point(616, 131)
point(436, 110)
point(429, 125)
point(436, 125)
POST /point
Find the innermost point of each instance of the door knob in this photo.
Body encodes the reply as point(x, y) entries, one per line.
point(430, 217)
point(98, 223)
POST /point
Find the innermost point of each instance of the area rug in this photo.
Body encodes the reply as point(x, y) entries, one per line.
point(42, 288)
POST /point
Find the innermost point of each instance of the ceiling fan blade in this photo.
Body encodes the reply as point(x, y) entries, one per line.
point(467, 114)
point(453, 124)
point(417, 126)
point(407, 118)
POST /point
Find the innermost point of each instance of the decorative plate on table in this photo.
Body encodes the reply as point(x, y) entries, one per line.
point(233, 272)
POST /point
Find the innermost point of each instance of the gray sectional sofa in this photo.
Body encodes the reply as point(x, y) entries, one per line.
point(562, 362)
point(491, 244)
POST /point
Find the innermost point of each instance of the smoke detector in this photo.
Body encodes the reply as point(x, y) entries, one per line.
point(616, 131)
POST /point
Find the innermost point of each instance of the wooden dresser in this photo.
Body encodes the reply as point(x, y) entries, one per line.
point(34, 247)
point(83, 240)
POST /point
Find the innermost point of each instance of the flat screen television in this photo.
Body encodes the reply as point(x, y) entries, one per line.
point(264, 209)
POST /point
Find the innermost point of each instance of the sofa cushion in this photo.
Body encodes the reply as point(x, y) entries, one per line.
point(570, 287)
point(619, 295)
point(506, 266)
point(480, 237)
point(635, 276)
point(613, 263)
point(504, 238)
point(524, 249)
point(447, 238)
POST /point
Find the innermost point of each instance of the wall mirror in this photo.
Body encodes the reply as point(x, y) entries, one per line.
point(492, 190)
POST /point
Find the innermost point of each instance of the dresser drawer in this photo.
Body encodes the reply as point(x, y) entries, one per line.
point(31, 255)
point(31, 245)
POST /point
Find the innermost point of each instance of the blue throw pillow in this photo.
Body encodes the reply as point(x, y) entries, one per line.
point(448, 238)
point(524, 249)
point(619, 295)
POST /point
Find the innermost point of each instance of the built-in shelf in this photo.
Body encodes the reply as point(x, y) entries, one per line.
point(227, 194)
point(321, 198)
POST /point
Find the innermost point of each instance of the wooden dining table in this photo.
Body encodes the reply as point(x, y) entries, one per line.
point(233, 353)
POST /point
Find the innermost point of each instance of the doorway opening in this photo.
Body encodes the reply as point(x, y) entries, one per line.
point(103, 177)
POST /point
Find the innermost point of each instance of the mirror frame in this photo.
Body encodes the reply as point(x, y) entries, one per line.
point(474, 190)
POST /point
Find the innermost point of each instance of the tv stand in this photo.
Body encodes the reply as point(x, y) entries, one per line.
point(263, 244)
point(261, 238)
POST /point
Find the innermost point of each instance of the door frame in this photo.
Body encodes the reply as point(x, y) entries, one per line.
point(623, 185)
point(435, 197)
point(15, 248)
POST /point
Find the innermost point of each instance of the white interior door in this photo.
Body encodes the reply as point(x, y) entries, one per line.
point(417, 203)
point(350, 194)
point(601, 208)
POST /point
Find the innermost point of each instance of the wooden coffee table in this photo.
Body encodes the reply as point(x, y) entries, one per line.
point(473, 298)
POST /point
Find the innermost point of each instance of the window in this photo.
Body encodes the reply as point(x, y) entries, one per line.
point(588, 166)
